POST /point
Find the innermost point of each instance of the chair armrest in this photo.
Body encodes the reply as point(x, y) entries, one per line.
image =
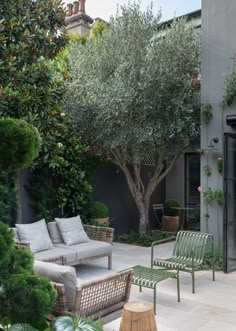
point(157, 242)
point(19, 243)
point(162, 241)
point(97, 298)
point(99, 233)
point(60, 306)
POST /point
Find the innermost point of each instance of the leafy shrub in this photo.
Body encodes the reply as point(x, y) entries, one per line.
point(75, 323)
point(218, 258)
point(25, 297)
point(142, 239)
point(169, 206)
point(98, 210)
point(19, 144)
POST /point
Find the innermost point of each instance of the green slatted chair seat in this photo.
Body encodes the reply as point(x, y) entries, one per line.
point(188, 253)
point(173, 263)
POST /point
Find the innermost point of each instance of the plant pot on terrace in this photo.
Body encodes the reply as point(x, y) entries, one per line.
point(99, 213)
point(170, 218)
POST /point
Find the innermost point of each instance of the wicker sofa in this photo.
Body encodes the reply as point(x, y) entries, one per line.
point(99, 245)
point(92, 299)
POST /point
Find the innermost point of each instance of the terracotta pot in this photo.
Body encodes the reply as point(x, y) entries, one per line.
point(102, 220)
point(170, 223)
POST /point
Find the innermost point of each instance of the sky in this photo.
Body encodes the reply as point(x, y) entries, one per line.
point(170, 8)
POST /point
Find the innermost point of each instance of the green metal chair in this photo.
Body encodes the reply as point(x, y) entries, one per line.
point(188, 253)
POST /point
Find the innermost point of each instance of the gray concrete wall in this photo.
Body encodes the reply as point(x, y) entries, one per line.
point(218, 46)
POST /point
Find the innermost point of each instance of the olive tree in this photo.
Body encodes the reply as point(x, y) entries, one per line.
point(135, 90)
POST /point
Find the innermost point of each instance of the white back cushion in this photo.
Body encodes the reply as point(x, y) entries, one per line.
point(72, 230)
point(36, 234)
point(54, 233)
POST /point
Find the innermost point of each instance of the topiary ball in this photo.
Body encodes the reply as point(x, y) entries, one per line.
point(19, 144)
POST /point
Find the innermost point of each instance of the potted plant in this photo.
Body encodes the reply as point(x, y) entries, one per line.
point(99, 213)
point(170, 218)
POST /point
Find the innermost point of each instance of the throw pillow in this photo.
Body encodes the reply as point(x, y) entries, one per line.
point(59, 274)
point(54, 233)
point(72, 230)
point(36, 234)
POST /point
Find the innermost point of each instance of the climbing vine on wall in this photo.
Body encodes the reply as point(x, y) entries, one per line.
point(230, 86)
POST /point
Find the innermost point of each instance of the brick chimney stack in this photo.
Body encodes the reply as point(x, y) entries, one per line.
point(82, 6)
point(69, 9)
point(76, 7)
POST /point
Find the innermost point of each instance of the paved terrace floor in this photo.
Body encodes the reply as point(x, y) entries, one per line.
point(213, 307)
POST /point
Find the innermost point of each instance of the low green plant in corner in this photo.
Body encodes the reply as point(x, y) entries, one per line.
point(98, 210)
point(169, 207)
point(218, 260)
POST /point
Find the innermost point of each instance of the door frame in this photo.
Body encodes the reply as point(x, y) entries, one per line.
point(225, 211)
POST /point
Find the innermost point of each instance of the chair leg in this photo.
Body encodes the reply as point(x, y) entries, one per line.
point(109, 262)
point(178, 290)
point(193, 281)
point(213, 263)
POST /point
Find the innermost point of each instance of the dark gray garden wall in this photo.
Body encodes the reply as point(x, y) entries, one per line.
point(218, 45)
point(111, 188)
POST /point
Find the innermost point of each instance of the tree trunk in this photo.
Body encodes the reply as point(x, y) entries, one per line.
point(144, 224)
point(140, 194)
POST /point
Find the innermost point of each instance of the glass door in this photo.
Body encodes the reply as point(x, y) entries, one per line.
point(230, 203)
point(192, 196)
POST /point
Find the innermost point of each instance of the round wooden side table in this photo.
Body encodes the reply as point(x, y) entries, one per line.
point(138, 316)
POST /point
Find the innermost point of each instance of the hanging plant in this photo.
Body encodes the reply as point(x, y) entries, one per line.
point(220, 165)
point(206, 111)
point(207, 170)
point(208, 195)
point(219, 196)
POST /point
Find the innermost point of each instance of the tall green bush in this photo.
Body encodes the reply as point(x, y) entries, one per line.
point(25, 296)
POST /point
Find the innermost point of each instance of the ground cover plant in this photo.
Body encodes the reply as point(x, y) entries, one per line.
point(143, 239)
point(134, 89)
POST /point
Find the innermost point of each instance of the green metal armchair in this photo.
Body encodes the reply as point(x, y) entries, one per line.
point(188, 254)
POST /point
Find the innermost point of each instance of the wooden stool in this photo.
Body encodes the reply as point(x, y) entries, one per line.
point(138, 316)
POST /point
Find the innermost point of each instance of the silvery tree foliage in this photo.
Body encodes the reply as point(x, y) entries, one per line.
point(135, 90)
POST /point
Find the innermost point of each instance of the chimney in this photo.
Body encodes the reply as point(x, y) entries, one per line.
point(76, 7)
point(82, 6)
point(69, 9)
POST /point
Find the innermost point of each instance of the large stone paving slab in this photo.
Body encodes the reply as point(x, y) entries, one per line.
point(213, 307)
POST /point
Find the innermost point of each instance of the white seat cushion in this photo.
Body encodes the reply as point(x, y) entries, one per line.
point(89, 249)
point(68, 254)
point(72, 230)
point(36, 234)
